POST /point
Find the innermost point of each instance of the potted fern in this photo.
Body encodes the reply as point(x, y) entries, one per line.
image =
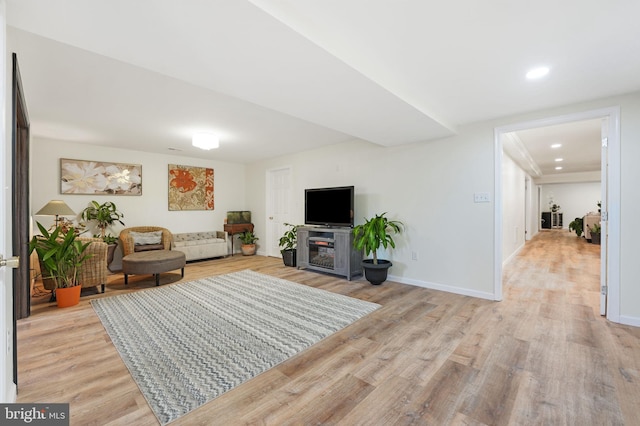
point(288, 243)
point(375, 233)
point(61, 256)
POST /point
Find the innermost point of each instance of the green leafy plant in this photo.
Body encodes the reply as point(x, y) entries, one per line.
point(104, 215)
point(288, 241)
point(595, 229)
point(375, 233)
point(61, 255)
point(247, 237)
point(577, 225)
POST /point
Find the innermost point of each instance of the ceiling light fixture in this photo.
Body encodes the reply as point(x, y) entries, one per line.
point(537, 73)
point(559, 159)
point(559, 168)
point(205, 141)
point(556, 145)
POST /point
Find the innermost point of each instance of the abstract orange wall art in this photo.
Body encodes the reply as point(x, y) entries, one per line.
point(190, 188)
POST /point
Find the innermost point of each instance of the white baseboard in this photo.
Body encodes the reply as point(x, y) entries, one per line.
point(441, 287)
point(514, 254)
point(626, 320)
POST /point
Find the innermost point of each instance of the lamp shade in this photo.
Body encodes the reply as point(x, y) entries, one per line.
point(205, 141)
point(55, 208)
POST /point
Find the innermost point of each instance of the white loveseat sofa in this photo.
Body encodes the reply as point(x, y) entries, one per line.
point(201, 245)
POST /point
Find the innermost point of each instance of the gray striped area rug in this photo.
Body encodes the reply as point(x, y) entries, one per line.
point(186, 344)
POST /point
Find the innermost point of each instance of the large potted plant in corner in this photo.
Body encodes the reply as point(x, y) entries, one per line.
point(61, 256)
point(375, 233)
point(104, 215)
point(248, 239)
point(288, 243)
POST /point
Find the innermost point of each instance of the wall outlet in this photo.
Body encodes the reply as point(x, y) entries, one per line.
point(481, 197)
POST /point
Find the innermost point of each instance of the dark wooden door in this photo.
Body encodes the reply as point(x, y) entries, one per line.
point(20, 208)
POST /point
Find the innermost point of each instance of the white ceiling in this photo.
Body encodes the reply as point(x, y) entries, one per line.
point(278, 76)
point(580, 149)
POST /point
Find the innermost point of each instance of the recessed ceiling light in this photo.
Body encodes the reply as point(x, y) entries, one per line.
point(558, 160)
point(556, 145)
point(537, 73)
point(559, 168)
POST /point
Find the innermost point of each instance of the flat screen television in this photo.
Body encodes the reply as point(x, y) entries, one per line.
point(329, 206)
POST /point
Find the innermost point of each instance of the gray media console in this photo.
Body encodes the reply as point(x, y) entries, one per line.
point(328, 250)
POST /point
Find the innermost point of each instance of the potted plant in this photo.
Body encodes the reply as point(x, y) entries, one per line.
point(104, 215)
point(288, 243)
point(595, 233)
point(370, 236)
point(577, 225)
point(248, 239)
point(61, 256)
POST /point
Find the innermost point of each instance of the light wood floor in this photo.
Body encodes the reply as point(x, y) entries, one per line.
point(543, 356)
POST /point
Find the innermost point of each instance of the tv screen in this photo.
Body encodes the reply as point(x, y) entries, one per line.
point(329, 206)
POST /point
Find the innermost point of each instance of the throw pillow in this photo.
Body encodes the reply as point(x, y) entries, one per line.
point(143, 238)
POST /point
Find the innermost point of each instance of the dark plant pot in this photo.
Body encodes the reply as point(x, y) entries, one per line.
point(376, 274)
point(248, 249)
point(595, 238)
point(289, 257)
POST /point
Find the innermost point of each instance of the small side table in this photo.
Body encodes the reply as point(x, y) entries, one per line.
point(237, 228)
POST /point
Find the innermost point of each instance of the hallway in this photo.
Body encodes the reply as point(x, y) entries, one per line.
point(556, 269)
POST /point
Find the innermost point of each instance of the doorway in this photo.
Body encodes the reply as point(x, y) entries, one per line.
point(279, 196)
point(610, 183)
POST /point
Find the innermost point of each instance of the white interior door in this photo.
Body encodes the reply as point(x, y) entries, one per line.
point(604, 220)
point(279, 190)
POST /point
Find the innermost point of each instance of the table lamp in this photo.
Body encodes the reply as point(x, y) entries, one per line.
point(55, 208)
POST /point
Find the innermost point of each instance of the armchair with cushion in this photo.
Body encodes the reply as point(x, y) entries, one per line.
point(93, 272)
point(143, 238)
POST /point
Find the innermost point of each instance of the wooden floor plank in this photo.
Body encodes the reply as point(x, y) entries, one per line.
point(541, 356)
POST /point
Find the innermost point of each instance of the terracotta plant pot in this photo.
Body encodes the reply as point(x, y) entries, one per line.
point(248, 249)
point(69, 296)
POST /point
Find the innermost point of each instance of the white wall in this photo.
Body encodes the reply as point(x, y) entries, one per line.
point(150, 208)
point(427, 186)
point(513, 208)
point(575, 199)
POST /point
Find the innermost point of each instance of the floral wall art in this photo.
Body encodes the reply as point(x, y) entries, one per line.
point(99, 177)
point(190, 188)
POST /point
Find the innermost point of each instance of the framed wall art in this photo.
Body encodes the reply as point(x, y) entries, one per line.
point(99, 177)
point(190, 188)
